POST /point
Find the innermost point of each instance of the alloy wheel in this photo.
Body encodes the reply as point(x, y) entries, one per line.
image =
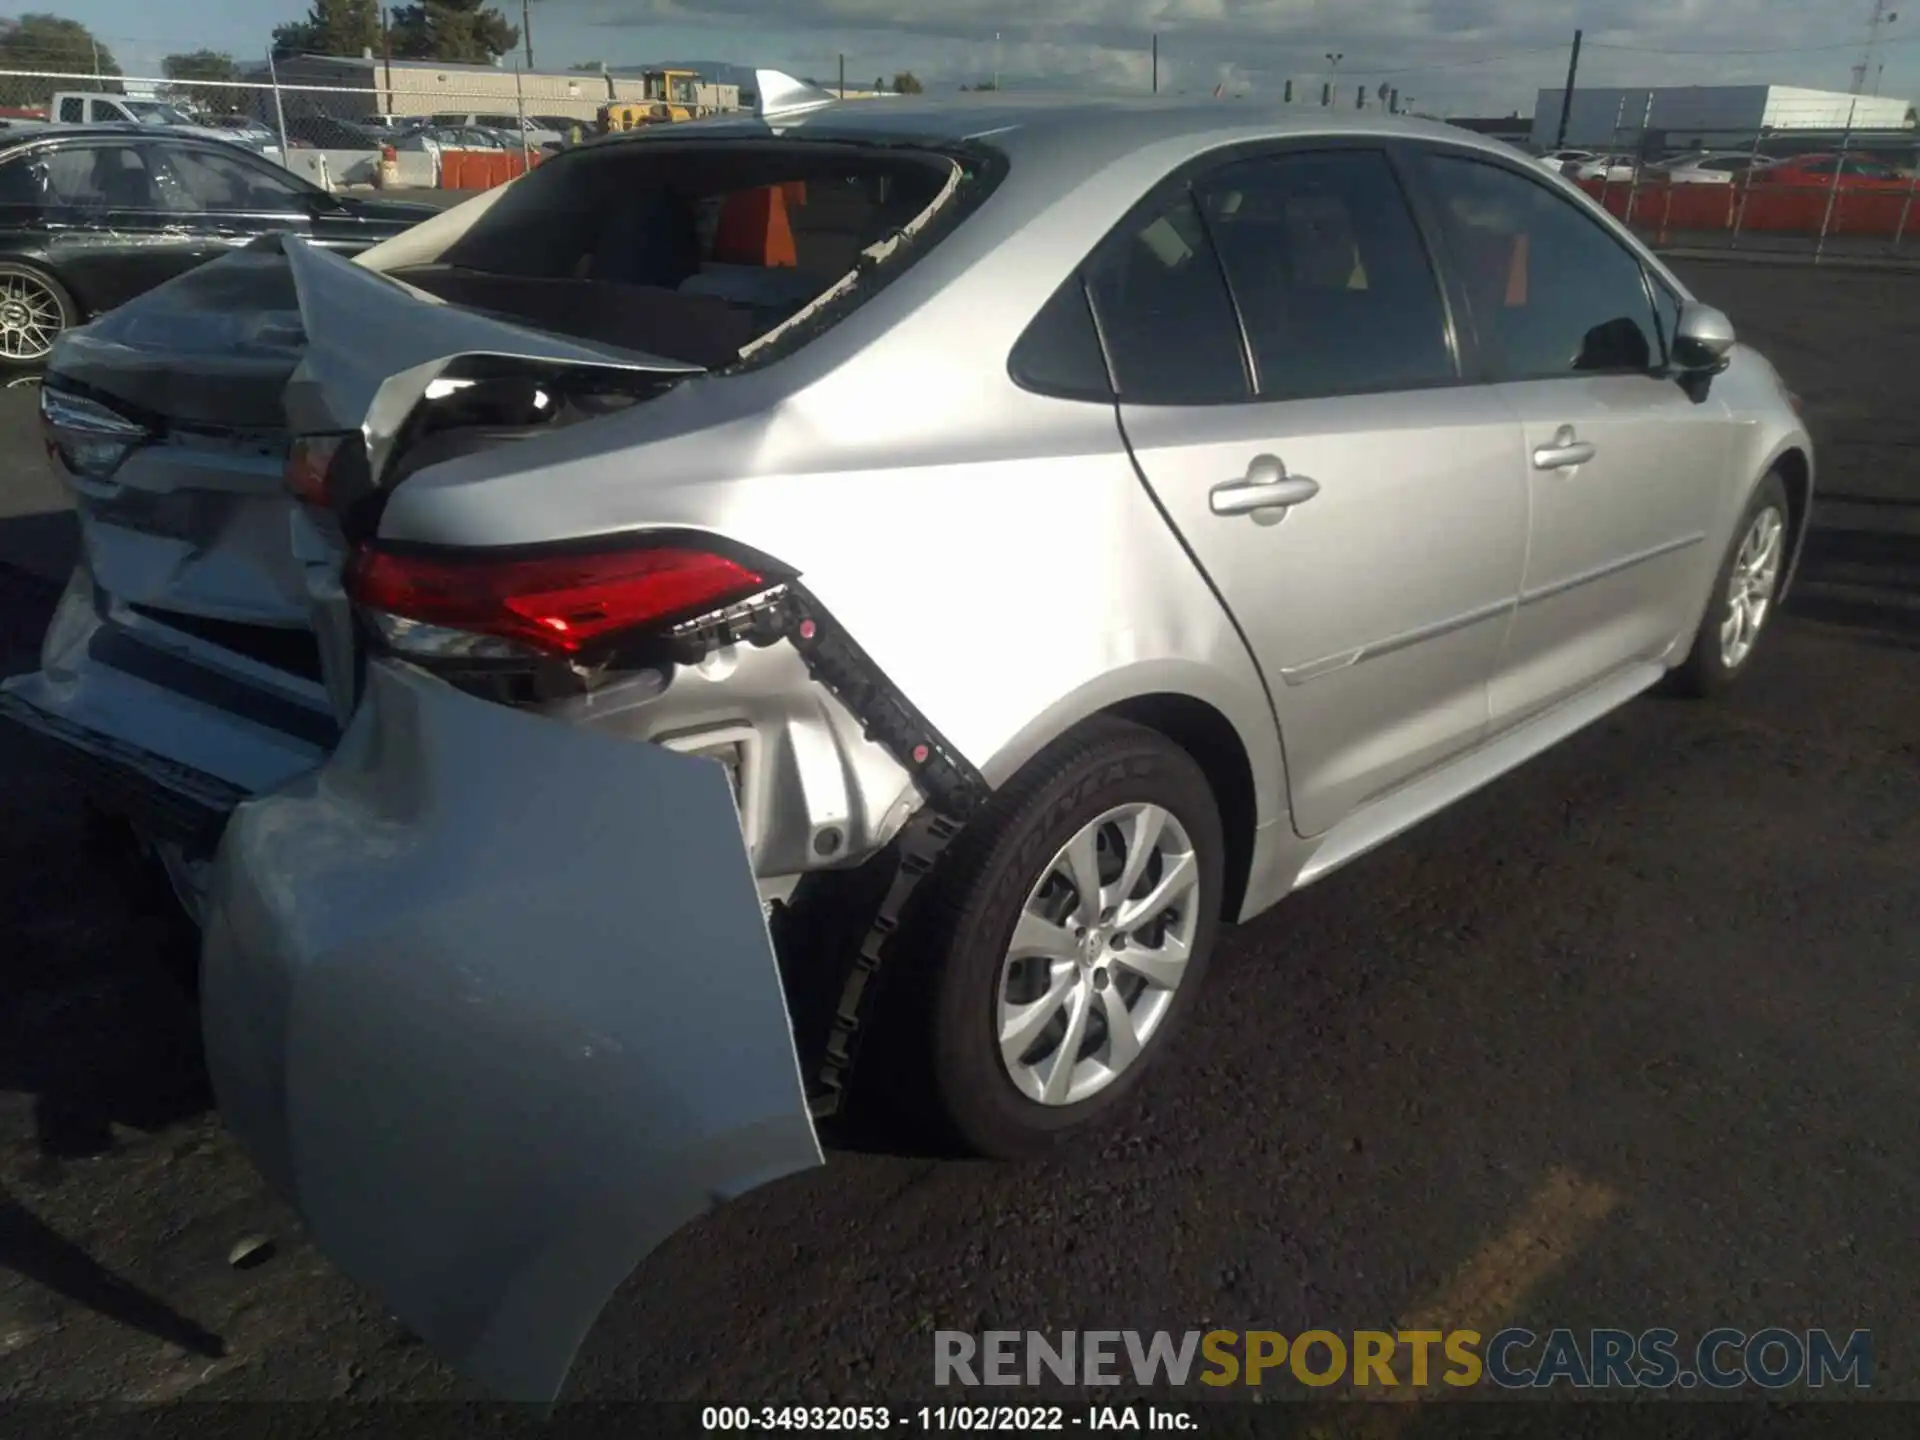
point(1751, 586)
point(1097, 954)
point(30, 318)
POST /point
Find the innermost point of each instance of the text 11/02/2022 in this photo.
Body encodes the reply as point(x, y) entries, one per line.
point(984, 1419)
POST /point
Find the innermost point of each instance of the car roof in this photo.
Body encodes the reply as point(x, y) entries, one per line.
point(1073, 134)
point(35, 131)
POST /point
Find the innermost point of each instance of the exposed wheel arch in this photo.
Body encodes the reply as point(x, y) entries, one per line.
point(1215, 746)
point(1796, 473)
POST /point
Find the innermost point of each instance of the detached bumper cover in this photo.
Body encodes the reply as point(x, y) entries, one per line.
point(492, 1000)
point(169, 801)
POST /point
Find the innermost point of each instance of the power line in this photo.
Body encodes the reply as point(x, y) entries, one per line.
point(1719, 50)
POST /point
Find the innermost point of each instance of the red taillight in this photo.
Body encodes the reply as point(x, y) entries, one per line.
point(309, 460)
point(556, 603)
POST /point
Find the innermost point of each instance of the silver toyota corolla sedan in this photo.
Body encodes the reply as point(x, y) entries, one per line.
point(848, 601)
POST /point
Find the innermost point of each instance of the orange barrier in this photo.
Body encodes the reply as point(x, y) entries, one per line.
point(482, 169)
point(1773, 209)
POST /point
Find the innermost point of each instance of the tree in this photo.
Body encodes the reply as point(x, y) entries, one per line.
point(39, 41)
point(203, 65)
point(456, 30)
point(332, 27)
point(907, 83)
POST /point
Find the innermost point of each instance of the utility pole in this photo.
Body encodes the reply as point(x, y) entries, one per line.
point(843, 77)
point(1156, 64)
point(996, 62)
point(1333, 60)
point(1566, 100)
point(386, 51)
point(526, 28)
point(1878, 21)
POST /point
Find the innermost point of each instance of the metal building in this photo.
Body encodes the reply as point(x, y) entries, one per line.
point(429, 87)
point(1714, 116)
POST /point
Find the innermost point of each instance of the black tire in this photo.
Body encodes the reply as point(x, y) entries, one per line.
point(12, 275)
point(944, 1049)
point(1705, 672)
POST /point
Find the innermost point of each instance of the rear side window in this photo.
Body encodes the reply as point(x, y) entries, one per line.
point(1164, 311)
point(1060, 352)
point(20, 183)
point(102, 177)
point(1552, 293)
point(1330, 273)
point(72, 112)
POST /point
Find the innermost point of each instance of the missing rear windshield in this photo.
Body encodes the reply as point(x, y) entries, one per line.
point(699, 252)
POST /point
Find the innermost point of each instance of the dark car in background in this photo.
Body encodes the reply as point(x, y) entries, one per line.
point(93, 216)
point(328, 132)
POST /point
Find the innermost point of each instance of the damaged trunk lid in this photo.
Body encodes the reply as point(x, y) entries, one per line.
point(202, 572)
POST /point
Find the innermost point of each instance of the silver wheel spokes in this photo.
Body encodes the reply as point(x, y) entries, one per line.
point(1756, 574)
point(1100, 947)
point(30, 318)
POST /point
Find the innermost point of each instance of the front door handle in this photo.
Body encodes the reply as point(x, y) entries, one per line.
point(1267, 486)
point(1564, 453)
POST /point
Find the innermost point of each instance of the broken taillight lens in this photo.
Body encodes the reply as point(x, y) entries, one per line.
point(309, 462)
point(559, 604)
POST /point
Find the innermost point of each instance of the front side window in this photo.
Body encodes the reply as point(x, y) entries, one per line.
point(1551, 292)
point(1666, 309)
point(1163, 308)
point(1330, 273)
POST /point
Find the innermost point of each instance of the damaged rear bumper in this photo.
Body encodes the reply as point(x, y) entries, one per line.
point(492, 1000)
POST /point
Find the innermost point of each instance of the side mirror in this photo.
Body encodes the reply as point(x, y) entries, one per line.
point(1703, 338)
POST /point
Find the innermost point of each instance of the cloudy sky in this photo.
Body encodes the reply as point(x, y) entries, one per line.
point(1454, 56)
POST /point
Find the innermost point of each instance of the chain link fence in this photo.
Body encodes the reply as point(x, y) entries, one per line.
point(332, 119)
point(1803, 178)
point(1806, 179)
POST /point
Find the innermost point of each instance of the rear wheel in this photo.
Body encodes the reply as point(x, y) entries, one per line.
point(34, 309)
point(1063, 945)
point(1745, 593)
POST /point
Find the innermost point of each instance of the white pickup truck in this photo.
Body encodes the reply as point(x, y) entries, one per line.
point(90, 107)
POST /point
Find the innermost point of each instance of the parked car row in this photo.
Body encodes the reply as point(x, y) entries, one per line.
point(91, 216)
point(1725, 167)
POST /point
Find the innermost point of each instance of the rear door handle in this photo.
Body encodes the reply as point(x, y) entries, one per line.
point(1266, 486)
point(1564, 453)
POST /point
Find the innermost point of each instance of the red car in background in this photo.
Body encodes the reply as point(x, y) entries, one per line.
point(1819, 172)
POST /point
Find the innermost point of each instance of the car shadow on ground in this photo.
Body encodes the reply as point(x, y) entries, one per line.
point(95, 1037)
point(95, 1025)
point(1868, 579)
point(41, 1254)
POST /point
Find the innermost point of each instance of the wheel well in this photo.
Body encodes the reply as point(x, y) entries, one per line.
point(1796, 475)
point(1209, 737)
